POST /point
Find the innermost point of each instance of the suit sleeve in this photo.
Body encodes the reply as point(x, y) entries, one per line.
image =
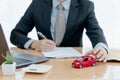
point(93, 30)
point(25, 25)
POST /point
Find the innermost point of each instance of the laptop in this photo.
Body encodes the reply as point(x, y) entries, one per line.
point(21, 59)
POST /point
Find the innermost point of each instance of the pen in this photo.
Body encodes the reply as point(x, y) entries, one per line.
point(41, 35)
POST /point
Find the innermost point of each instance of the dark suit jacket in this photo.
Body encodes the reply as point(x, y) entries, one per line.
point(81, 16)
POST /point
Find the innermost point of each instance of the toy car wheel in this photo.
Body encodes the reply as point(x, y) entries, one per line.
point(81, 66)
point(93, 64)
point(73, 65)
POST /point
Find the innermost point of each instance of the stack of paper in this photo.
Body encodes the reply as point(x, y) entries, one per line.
point(62, 52)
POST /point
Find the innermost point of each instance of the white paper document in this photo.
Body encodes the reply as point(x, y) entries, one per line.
point(62, 52)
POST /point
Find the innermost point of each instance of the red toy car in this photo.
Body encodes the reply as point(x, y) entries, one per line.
point(84, 61)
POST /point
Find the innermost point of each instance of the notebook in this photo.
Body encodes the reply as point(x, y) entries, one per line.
point(21, 59)
point(62, 52)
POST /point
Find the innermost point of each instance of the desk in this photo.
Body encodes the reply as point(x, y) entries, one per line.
point(62, 70)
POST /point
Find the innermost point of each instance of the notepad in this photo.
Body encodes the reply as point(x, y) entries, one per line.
point(62, 52)
point(113, 60)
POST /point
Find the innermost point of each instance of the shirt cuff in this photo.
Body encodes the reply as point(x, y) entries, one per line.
point(28, 43)
point(100, 44)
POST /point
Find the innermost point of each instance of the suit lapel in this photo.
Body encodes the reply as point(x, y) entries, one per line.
point(74, 10)
point(72, 13)
point(47, 8)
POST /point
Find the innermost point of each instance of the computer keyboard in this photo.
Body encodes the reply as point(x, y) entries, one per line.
point(23, 59)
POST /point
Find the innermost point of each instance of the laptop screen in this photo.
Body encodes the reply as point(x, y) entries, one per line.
point(3, 45)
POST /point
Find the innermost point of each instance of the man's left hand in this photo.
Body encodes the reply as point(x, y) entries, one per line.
point(99, 52)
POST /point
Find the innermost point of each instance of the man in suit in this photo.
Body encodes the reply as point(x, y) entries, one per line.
point(79, 15)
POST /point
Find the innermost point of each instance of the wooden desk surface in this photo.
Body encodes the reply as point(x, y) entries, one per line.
point(62, 70)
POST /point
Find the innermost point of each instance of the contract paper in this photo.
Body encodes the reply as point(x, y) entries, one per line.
point(62, 52)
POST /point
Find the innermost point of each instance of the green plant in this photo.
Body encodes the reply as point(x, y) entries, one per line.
point(8, 58)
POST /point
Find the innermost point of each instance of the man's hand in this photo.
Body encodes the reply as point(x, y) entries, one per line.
point(99, 52)
point(43, 45)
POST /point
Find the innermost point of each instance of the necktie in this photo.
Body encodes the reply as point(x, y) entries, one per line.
point(60, 25)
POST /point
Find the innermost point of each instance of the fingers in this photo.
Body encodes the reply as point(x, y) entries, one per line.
point(102, 55)
point(99, 52)
point(89, 52)
point(50, 44)
point(47, 45)
point(43, 45)
point(105, 60)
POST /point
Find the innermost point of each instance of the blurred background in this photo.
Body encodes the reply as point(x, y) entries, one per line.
point(107, 13)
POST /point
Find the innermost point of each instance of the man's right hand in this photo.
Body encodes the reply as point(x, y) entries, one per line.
point(43, 45)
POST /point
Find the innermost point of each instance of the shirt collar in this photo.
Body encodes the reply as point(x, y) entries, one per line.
point(66, 4)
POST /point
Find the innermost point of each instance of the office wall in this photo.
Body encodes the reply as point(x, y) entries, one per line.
point(107, 13)
point(10, 13)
